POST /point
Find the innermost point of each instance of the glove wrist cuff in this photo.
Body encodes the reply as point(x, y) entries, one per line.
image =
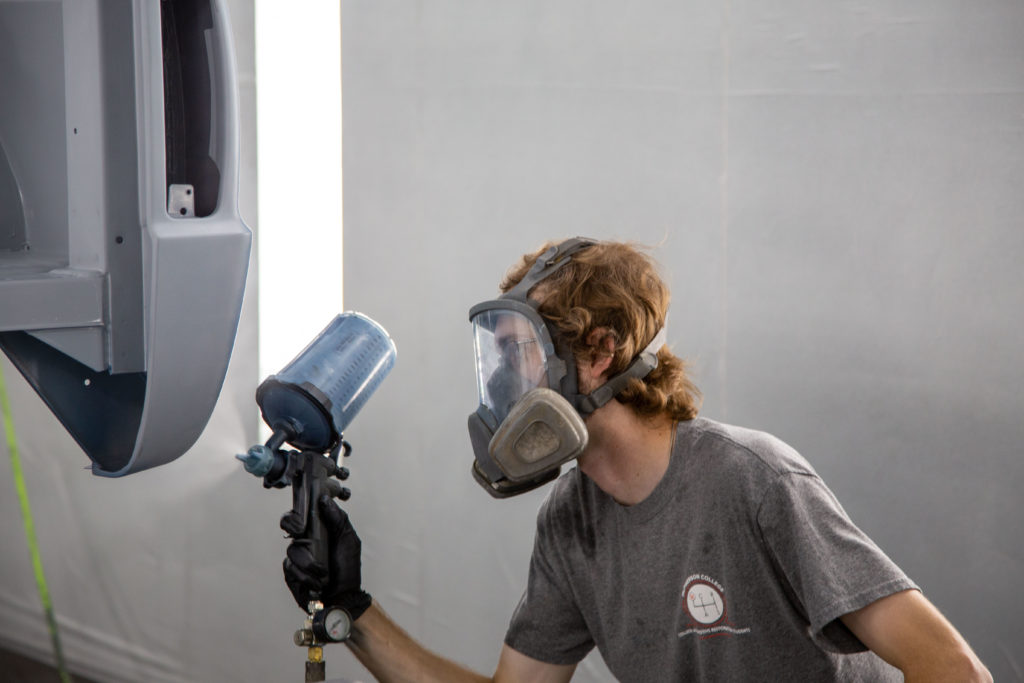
point(355, 603)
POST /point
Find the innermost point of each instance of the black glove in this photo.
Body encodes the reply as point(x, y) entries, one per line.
point(337, 585)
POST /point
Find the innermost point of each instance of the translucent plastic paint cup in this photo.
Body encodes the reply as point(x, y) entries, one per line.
point(317, 395)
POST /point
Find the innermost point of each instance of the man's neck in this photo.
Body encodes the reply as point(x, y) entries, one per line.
point(626, 455)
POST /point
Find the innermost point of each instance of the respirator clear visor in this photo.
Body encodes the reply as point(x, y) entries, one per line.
point(523, 428)
point(511, 358)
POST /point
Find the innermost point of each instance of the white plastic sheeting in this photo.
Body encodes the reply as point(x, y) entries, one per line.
point(834, 190)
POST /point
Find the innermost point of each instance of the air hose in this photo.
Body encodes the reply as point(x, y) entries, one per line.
point(30, 533)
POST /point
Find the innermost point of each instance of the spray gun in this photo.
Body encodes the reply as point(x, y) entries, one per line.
point(308, 405)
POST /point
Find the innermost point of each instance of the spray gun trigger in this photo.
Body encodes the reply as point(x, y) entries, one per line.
point(336, 490)
point(342, 448)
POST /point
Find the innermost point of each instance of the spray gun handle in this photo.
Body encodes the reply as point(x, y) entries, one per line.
point(312, 477)
point(305, 491)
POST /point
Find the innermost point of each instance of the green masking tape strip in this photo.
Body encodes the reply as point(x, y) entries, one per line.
point(30, 533)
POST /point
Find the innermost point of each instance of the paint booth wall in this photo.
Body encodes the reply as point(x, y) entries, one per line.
point(835, 195)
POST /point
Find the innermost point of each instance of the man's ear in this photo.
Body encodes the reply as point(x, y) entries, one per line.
point(604, 339)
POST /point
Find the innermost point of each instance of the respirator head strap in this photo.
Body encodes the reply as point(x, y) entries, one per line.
point(546, 264)
point(642, 365)
point(638, 369)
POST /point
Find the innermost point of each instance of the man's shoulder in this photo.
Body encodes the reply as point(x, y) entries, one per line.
point(728, 444)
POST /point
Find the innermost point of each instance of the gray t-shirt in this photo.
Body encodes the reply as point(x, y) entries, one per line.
point(737, 567)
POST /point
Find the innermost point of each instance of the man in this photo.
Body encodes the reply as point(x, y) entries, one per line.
point(683, 549)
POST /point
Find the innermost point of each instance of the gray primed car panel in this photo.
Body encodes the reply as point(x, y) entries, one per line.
point(113, 284)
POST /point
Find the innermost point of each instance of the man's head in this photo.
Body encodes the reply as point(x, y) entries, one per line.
point(576, 326)
point(609, 300)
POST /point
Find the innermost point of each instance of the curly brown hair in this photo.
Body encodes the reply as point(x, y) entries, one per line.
point(614, 286)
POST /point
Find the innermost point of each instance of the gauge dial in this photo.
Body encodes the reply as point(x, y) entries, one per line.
point(333, 624)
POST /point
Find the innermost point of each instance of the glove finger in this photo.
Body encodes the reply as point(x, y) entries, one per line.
point(350, 541)
point(301, 558)
point(340, 526)
point(297, 584)
point(333, 516)
point(295, 575)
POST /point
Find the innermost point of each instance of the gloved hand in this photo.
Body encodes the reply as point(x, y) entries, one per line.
point(337, 585)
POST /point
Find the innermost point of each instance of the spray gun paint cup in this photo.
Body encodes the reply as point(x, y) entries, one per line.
point(315, 397)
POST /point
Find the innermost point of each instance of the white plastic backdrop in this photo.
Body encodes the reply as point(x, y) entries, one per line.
point(835, 190)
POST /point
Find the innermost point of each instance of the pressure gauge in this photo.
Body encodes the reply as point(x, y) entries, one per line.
point(332, 625)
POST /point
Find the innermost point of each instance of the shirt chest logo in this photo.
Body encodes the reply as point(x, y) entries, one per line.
point(705, 605)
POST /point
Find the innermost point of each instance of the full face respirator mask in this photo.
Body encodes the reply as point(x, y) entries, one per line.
point(530, 416)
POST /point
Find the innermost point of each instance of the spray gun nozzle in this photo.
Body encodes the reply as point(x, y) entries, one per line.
point(258, 461)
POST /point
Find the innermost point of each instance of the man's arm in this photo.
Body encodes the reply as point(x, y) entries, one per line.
point(393, 656)
point(907, 631)
point(377, 641)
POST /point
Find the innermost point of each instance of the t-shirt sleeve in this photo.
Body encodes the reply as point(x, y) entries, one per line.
point(830, 565)
point(547, 625)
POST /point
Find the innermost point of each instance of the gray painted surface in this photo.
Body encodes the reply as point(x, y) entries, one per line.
point(835, 195)
point(84, 122)
point(32, 51)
